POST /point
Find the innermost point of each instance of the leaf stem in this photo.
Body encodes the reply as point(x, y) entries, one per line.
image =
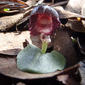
point(44, 47)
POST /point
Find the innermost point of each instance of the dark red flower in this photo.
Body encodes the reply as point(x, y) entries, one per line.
point(43, 19)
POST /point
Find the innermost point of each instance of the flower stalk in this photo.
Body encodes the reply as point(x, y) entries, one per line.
point(44, 47)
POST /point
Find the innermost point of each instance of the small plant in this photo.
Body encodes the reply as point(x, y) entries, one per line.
point(44, 21)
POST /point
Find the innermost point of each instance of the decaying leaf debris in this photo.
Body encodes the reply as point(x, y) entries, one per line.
point(13, 42)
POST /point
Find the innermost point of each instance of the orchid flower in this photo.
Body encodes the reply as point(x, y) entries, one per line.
point(44, 20)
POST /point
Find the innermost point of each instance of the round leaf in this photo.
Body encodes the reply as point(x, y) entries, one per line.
point(30, 59)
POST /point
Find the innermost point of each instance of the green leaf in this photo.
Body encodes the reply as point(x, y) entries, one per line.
point(6, 9)
point(31, 59)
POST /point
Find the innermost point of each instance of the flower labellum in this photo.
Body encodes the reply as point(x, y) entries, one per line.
point(43, 20)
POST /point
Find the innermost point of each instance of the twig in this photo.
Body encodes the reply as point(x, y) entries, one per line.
point(28, 9)
point(52, 1)
point(39, 2)
point(1, 7)
point(59, 3)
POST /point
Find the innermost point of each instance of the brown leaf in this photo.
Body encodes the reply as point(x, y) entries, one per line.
point(8, 67)
point(67, 13)
point(70, 76)
point(13, 42)
point(34, 2)
point(63, 44)
point(78, 8)
point(72, 23)
point(7, 22)
point(67, 80)
point(75, 6)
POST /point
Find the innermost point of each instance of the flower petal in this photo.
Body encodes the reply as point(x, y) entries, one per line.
point(44, 19)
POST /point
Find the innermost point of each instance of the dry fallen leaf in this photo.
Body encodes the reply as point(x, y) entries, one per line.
point(13, 42)
point(7, 22)
point(75, 6)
